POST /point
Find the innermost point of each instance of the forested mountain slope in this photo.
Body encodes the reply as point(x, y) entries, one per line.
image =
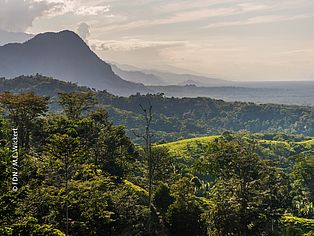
point(176, 118)
point(280, 147)
point(65, 56)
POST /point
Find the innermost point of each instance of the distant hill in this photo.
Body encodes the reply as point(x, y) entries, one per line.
point(137, 76)
point(280, 147)
point(13, 37)
point(64, 56)
point(184, 79)
point(196, 147)
point(176, 118)
point(40, 85)
point(165, 78)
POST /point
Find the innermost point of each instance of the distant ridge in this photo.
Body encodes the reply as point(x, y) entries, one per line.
point(13, 37)
point(138, 76)
point(164, 78)
point(65, 56)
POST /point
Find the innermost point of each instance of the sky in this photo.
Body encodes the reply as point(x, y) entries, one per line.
point(228, 39)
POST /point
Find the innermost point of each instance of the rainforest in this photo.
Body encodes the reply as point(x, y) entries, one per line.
point(91, 163)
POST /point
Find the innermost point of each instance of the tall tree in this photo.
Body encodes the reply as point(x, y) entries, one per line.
point(76, 103)
point(147, 136)
point(249, 193)
point(64, 151)
point(23, 111)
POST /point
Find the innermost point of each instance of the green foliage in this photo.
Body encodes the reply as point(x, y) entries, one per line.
point(297, 226)
point(302, 183)
point(23, 110)
point(184, 215)
point(176, 118)
point(162, 197)
point(247, 191)
point(74, 104)
point(229, 184)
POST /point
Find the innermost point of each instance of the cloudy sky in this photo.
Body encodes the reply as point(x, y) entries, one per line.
point(230, 39)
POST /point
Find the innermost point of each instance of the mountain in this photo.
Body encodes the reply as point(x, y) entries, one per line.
point(161, 68)
point(193, 82)
point(138, 76)
point(175, 118)
point(13, 37)
point(181, 79)
point(65, 56)
point(163, 78)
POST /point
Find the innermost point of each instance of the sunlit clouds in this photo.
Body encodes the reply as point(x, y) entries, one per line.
point(233, 39)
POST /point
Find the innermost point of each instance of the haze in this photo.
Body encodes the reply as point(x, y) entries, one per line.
point(229, 39)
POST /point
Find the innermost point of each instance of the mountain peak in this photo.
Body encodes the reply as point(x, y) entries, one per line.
point(66, 37)
point(65, 56)
point(63, 34)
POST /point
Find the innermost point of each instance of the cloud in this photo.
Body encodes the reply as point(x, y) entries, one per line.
point(92, 10)
point(209, 12)
point(249, 7)
point(18, 15)
point(83, 30)
point(187, 12)
point(258, 20)
point(299, 51)
point(201, 4)
point(80, 8)
point(180, 17)
point(133, 44)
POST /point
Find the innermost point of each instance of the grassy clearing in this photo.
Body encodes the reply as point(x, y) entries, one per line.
point(195, 147)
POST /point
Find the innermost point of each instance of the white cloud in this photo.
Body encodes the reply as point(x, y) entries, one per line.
point(132, 44)
point(258, 20)
point(299, 51)
point(188, 12)
point(170, 32)
point(185, 5)
point(83, 30)
point(80, 8)
point(92, 10)
point(18, 15)
point(249, 7)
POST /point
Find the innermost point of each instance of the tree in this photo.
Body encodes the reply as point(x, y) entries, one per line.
point(76, 103)
point(64, 151)
point(163, 166)
point(163, 198)
point(249, 193)
point(184, 215)
point(302, 183)
point(148, 153)
point(23, 110)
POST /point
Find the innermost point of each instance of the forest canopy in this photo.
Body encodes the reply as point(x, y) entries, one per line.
point(176, 118)
point(80, 174)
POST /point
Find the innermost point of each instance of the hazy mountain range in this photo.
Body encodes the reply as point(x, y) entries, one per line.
point(66, 56)
point(165, 78)
point(138, 76)
point(13, 37)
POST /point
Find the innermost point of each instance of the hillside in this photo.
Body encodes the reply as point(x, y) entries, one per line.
point(278, 147)
point(166, 78)
point(172, 78)
point(291, 144)
point(138, 76)
point(76, 162)
point(176, 118)
point(65, 56)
